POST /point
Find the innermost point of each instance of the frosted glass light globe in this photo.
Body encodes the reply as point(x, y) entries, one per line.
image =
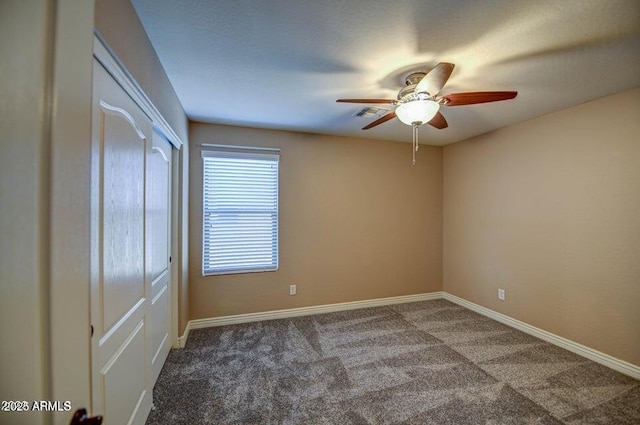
point(417, 111)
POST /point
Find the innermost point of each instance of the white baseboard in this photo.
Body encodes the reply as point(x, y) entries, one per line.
point(182, 340)
point(302, 311)
point(584, 351)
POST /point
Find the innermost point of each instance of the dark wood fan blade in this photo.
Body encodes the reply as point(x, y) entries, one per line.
point(435, 79)
point(470, 98)
point(438, 121)
point(385, 118)
point(392, 101)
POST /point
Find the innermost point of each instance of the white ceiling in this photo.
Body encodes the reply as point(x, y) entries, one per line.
point(282, 64)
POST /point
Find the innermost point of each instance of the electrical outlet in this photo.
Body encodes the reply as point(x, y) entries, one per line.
point(501, 294)
point(292, 289)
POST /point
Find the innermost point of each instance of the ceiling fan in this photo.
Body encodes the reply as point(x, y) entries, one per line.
point(419, 103)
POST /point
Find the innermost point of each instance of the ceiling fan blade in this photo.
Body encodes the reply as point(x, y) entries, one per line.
point(392, 101)
point(385, 118)
point(470, 98)
point(435, 79)
point(438, 121)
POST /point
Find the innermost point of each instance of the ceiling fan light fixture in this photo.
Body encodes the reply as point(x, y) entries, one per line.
point(419, 111)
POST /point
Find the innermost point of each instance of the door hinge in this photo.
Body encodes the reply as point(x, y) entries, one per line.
point(169, 258)
point(92, 330)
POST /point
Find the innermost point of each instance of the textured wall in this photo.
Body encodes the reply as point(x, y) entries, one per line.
point(357, 222)
point(549, 209)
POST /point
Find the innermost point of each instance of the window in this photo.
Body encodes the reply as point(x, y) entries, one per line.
point(240, 212)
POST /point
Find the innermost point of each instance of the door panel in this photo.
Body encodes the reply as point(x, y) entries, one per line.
point(158, 198)
point(119, 288)
point(159, 338)
point(124, 366)
point(158, 230)
point(122, 209)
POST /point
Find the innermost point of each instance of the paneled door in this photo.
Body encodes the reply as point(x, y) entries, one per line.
point(120, 288)
point(158, 231)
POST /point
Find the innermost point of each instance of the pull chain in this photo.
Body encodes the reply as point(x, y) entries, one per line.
point(415, 142)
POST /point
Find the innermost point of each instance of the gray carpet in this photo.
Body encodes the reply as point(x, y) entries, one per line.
point(430, 362)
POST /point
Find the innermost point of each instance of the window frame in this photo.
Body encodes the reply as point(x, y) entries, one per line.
point(245, 153)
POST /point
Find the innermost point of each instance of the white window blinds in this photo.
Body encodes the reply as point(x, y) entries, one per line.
point(240, 212)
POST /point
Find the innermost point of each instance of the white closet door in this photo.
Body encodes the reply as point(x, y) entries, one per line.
point(158, 231)
point(121, 132)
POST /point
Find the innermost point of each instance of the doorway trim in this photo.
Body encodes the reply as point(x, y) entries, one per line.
point(107, 57)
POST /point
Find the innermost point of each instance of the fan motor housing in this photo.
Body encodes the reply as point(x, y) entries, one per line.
point(407, 93)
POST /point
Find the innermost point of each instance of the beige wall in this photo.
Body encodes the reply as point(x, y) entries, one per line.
point(24, 28)
point(549, 210)
point(357, 222)
point(119, 25)
point(45, 110)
